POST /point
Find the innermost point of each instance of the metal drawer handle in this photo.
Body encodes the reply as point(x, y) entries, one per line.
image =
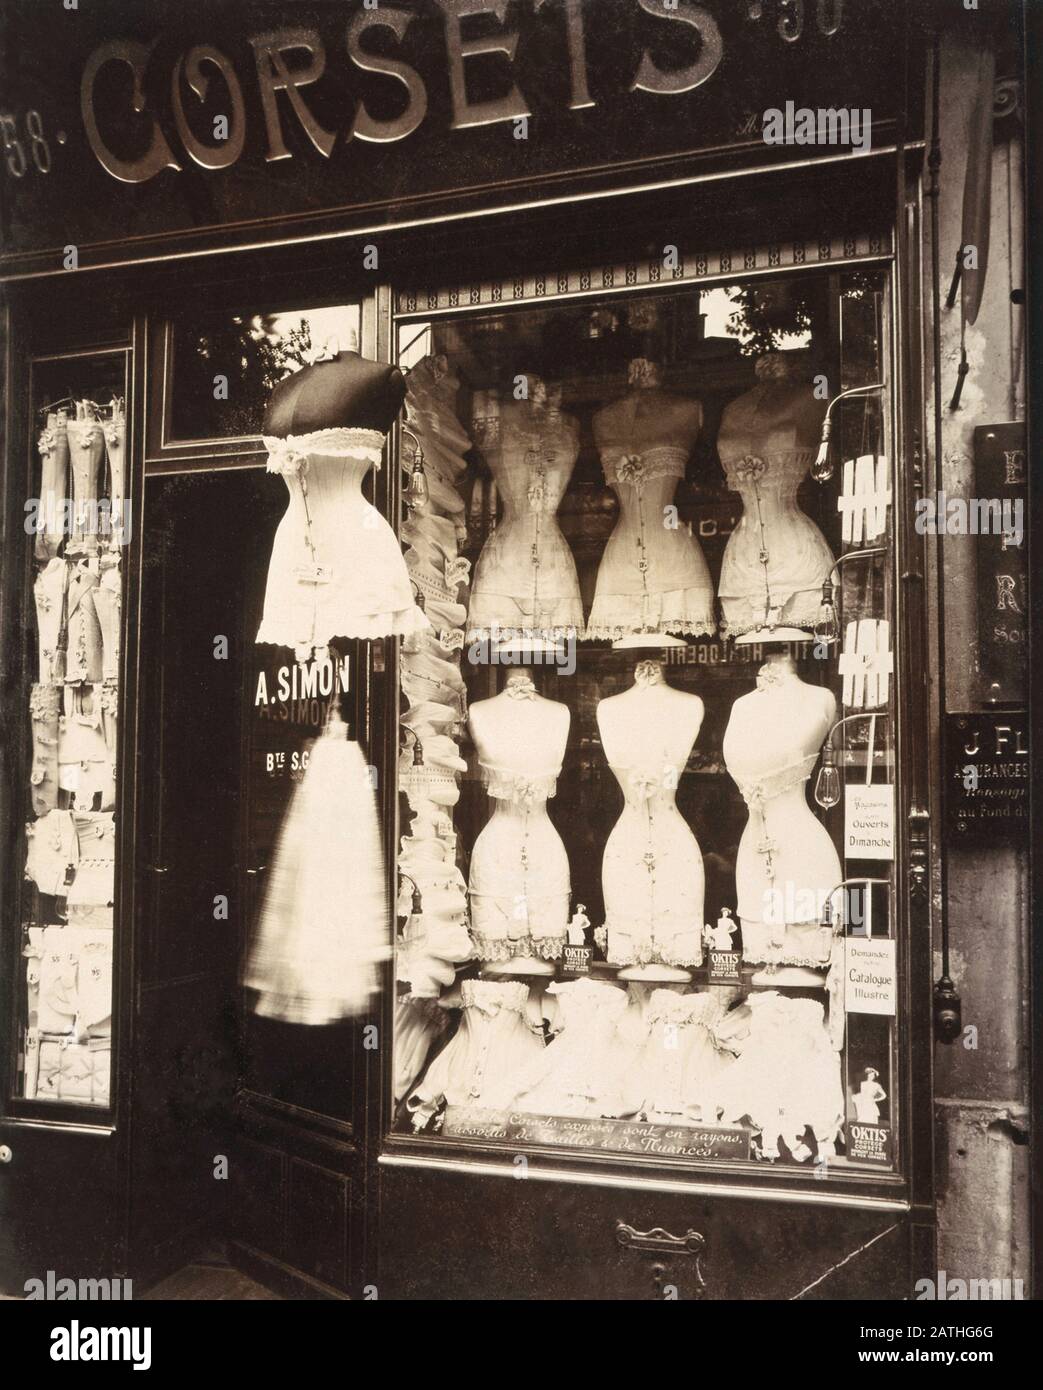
point(659, 1242)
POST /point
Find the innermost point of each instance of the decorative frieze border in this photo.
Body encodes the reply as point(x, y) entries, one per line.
point(681, 268)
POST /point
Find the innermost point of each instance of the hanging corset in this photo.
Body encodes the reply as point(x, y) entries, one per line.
point(90, 898)
point(54, 453)
point(86, 449)
point(84, 657)
point(52, 852)
point(44, 711)
point(116, 449)
point(49, 593)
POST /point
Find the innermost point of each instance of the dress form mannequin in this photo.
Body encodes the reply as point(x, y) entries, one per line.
point(526, 577)
point(787, 864)
point(776, 559)
point(519, 877)
point(653, 579)
point(652, 871)
point(336, 569)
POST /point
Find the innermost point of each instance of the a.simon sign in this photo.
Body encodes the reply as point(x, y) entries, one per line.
point(135, 122)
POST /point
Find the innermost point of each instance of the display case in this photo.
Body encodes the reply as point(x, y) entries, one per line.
point(78, 524)
point(648, 784)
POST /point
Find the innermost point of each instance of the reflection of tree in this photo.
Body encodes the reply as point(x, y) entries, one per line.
point(254, 354)
point(767, 311)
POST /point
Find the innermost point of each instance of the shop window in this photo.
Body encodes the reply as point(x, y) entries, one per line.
point(647, 775)
point(79, 522)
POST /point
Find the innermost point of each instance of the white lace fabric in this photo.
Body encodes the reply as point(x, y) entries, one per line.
point(292, 454)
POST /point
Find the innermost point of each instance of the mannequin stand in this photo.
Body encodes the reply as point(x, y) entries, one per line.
point(788, 977)
point(664, 974)
point(646, 639)
point(517, 965)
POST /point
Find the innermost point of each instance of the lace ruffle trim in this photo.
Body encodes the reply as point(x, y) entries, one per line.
point(680, 627)
point(499, 949)
point(292, 454)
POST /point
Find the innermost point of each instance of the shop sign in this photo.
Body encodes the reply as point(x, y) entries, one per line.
point(869, 1144)
point(122, 122)
point(869, 821)
point(620, 1136)
point(987, 777)
point(1001, 552)
point(870, 980)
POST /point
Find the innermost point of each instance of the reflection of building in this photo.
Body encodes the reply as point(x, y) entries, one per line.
point(620, 235)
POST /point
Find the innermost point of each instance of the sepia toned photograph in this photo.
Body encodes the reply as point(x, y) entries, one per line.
point(515, 665)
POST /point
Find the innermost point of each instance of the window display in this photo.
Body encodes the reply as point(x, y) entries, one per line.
point(618, 753)
point(79, 520)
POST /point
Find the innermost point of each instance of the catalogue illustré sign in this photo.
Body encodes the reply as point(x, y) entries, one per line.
point(129, 122)
point(619, 1136)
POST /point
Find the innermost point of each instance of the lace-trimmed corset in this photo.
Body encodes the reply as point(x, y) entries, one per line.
point(523, 788)
point(770, 477)
point(757, 792)
point(493, 996)
point(293, 455)
point(636, 469)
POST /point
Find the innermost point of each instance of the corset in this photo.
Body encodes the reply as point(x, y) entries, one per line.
point(526, 576)
point(116, 449)
point(649, 789)
point(107, 601)
point(523, 788)
point(84, 656)
point(52, 852)
point(519, 874)
point(86, 450)
point(49, 594)
point(776, 559)
point(90, 898)
point(44, 712)
point(336, 569)
point(54, 454)
point(85, 763)
point(652, 577)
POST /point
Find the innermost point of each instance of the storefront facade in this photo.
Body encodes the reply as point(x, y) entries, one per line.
point(669, 369)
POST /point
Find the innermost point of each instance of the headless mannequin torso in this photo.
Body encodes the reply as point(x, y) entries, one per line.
point(652, 870)
point(777, 558)
point(526, 577)
point(653, 579)
point(519, 875)
point(786, 864)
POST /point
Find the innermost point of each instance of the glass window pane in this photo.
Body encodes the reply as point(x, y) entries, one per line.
point(78, 525)
point(647, 750)
point(223, 364)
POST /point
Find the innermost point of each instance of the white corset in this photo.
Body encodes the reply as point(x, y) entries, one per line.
point(652, 577)
point(776, 559)
point(336, 569)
